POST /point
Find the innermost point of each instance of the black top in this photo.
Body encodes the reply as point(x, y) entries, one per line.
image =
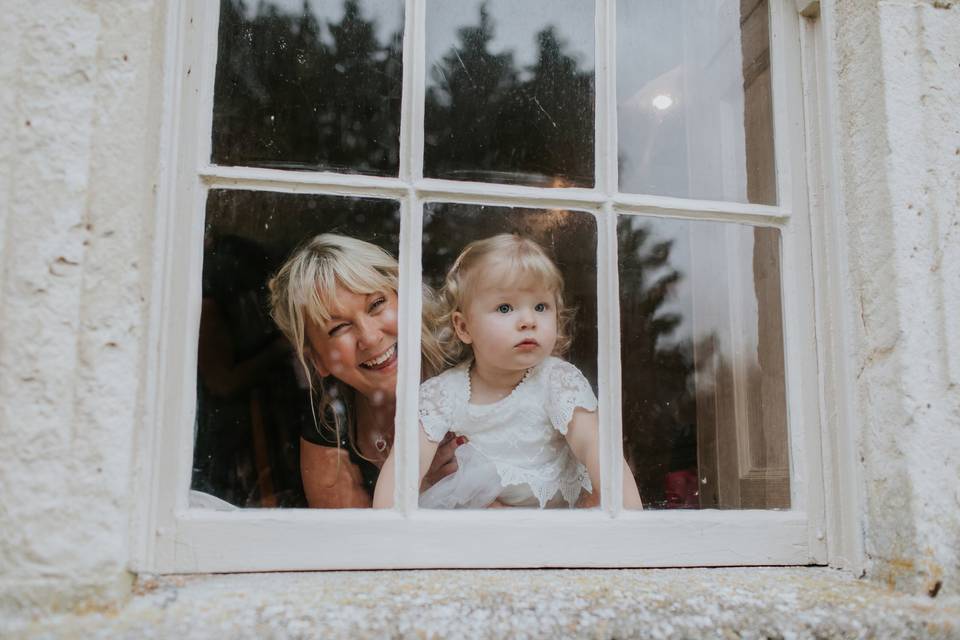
point(326, 437)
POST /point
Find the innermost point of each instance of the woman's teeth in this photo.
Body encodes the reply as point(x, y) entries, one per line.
point(386, 355)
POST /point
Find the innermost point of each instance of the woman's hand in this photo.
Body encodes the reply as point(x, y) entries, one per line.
point(444, 462)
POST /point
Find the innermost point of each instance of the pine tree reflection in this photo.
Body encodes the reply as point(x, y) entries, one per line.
point(659, 401)
point(288, 96)
point(484, 121)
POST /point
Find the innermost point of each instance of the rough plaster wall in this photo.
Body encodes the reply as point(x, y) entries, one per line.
point(899, 111)
point(79, 127)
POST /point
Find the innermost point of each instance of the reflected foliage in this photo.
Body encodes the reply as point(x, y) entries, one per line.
point(488, 120)
point(659, 400)
point(293, 91)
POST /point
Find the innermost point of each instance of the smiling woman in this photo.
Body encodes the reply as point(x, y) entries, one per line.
point(298, 410)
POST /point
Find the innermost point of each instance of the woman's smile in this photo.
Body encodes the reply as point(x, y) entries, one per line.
point(383, 361)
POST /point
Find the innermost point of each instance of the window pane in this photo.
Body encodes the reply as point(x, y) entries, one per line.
point(510, 91)
point(704, 408)
point(253, 403)
point(309, 85)
point(508, 425)
point(694, 104)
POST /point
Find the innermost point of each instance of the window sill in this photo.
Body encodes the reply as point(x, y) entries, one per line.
point(654, 603)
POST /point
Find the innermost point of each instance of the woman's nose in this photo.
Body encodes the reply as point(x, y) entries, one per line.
point(368, 332)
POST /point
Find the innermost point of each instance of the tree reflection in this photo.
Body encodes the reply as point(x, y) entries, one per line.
point(659, 401)
point(287, 96)
point(488, 120)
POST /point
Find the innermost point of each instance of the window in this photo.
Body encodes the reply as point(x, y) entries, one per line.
point(654, 148)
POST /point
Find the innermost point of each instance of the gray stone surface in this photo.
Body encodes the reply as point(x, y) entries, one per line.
point(665, 603)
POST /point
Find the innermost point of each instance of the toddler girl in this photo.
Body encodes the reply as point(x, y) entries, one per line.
point(530, 417)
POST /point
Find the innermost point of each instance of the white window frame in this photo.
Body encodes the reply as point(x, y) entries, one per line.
point(171, 537)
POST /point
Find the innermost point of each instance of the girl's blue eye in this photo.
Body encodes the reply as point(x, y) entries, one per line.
point(541, 307)
point(504, 308)
point(378, 303)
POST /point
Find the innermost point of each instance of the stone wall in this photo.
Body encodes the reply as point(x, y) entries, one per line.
point(80, 115)
point(898, 94)
point(80, 111)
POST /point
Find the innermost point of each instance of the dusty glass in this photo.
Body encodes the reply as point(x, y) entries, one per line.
point(704, 406)
point(694, 101)
point(309, 85)
point(569, 240)
point(253, 400)
point(510, 92)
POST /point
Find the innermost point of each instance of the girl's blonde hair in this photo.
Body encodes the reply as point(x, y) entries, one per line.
point(306, 284)
point(521, 258)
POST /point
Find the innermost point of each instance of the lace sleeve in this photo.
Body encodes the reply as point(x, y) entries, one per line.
point(435, 408)
point(567, 390)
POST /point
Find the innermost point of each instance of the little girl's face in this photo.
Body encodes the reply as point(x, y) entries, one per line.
point(510, 327)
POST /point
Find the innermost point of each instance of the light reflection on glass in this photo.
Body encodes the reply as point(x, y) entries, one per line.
point(694, 103)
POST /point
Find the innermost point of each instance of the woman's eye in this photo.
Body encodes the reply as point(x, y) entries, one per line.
point(376, 304)
point(338, 329)
point(504, 308)
point(541, 307)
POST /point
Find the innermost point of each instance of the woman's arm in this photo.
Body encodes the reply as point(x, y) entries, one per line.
point(383, 495)
point(583, 435)
point(330, 479)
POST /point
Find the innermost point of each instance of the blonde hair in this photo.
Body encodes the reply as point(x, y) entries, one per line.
point(302, 289)
point(523, 259)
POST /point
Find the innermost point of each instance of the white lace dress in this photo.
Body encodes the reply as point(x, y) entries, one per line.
point(517, 451)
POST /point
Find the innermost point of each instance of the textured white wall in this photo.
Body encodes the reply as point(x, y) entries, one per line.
point(898, 86)
point(80, 125)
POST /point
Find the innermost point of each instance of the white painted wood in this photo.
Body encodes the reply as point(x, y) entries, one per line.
point(302, 540)
point(408, 101)
point(150, 452)
point(418, 77)
point(611, 375)
point(406, 438)
point(667, 206)
point(176, 316)
point(172, 538)
point(312, 182)
point(842, 527)
point(806, 479)
point(482, 192)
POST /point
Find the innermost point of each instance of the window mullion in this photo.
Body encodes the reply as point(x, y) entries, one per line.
point(209, 19)
point(608, 330)
point(606, 105)
point(410, 309)
point(608, 334)
point(414, 90)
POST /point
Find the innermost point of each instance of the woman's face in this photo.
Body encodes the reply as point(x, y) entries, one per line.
point(358, 345)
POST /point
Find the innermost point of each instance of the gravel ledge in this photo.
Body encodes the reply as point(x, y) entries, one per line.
point(660, 603)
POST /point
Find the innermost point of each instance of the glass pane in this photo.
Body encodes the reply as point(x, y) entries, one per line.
point(510, 91)
point(694, 104)
point(502, 400)
point(704, 405)
point(254, 418)
point(309, 85)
